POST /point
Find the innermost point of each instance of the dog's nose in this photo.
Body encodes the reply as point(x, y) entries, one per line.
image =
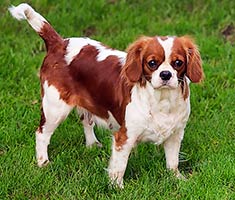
point(165, 75)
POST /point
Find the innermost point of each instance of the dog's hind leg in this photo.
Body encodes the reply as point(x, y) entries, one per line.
point(88, 126)
point(54, 111)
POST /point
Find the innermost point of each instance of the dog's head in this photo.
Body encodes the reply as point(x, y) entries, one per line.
point(163, 61)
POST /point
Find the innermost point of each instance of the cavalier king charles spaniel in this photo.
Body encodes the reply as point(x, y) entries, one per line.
point(140, 95)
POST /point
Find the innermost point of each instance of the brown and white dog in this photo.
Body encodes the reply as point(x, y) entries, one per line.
point(141, 95)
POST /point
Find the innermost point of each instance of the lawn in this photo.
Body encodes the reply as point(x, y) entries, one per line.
point(208, 149)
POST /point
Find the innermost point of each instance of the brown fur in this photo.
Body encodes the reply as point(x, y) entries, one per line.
point(120, 137)
point(93, 82)
point(194, 63)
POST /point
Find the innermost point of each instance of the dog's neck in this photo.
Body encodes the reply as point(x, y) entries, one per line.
point(165, 99)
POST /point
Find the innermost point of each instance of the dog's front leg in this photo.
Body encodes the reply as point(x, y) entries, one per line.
point(121, 149)
point(172, 149)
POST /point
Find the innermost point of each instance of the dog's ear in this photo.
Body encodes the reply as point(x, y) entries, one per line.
point(194, 63)
point(133, 69)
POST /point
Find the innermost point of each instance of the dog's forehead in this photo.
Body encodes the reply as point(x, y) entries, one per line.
point(172, 46)
point(153, 49)
point(167, 44)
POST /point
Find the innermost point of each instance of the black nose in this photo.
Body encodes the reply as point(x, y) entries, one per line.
point(165, 75)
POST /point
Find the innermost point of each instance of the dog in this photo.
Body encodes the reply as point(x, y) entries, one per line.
point(140, 95)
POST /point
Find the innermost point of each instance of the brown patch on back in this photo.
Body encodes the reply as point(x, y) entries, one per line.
point(98, 85)
point(88, 83)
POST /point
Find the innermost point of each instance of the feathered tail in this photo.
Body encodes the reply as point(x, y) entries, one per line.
point(38, 23)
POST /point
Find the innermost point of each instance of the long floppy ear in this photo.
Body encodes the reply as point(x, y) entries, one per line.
point(194, 63)
point(133, 65)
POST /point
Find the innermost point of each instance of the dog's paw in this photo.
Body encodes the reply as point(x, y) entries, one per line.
point(95, 144)
point(179, 176)
point(43, 163)
point(116, 179)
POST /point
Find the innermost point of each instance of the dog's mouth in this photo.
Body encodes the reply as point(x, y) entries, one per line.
point(166, 85)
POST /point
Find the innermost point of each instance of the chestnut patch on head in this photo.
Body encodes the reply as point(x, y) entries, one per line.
point(133, 69)
point(186, 60)
point(178, 59)
point(143, 57)
point(192, 58)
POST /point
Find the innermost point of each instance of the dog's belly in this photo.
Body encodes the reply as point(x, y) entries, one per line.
point(109, 123)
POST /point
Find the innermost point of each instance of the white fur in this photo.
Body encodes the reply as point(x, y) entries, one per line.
point(24, 11)
point(156, 114)
point(167, 46)
point(76, 44)
point(74, 47)
point(118, 161)
point(158, 83)
point(105, 52)
point(55, 111)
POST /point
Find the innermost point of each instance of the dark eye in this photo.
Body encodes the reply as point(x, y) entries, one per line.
point(152, 64)
point(178, 63)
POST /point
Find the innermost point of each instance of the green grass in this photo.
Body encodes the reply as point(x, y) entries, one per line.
point(208, 149)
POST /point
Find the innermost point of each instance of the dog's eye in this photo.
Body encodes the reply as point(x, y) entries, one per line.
point(178, 63)
point(153, 64)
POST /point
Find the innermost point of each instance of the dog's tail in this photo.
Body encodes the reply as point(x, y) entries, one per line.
point(38, 23)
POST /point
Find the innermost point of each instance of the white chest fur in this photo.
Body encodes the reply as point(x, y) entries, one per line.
point(154, 115)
